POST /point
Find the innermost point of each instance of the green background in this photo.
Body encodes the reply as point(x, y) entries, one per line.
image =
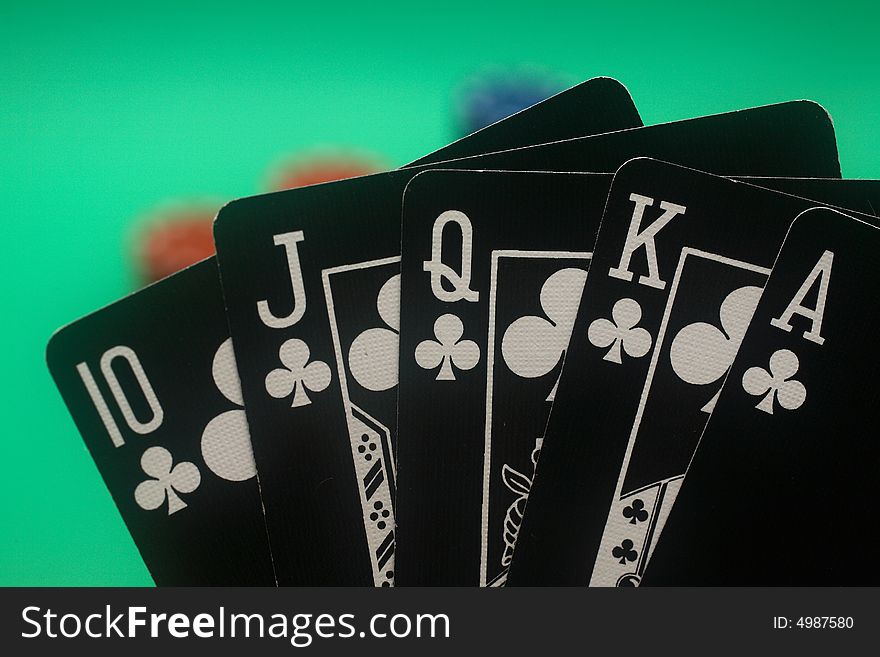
point(107, 111)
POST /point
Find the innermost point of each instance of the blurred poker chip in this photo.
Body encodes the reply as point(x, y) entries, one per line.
point(180, 234)
point(320, 167)
point(173, 237)
point(488, 97)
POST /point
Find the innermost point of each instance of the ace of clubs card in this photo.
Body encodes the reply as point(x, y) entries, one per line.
point(778, 492)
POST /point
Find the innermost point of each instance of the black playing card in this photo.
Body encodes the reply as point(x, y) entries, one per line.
point(277, 253)
point(492, 269)
point(677, 271)
point(594, 106)
point(778, 492)
point(795, 129)
point(151, 383)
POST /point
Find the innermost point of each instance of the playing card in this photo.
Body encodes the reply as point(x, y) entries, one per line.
point(274, 251)
point(776, 492)
point(151, 383)
point(677, 271)
point(798, 127)
point(492, 269)
point(591, 107)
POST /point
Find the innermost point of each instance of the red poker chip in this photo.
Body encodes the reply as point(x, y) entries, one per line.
point(176, 238)
point(173, 240)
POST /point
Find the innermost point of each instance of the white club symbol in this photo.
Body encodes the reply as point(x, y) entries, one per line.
point(532, 345)
point(701, 353)
point(621, 332)
point(448, 349)
point(373, 354)
point(776, 384)
point(166, 482)
point(298, 374)
point(226, 441)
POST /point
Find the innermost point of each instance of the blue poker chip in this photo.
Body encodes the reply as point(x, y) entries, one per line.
point(495, 98)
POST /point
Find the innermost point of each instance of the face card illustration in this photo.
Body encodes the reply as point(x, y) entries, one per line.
point(363, 302)
point(273, 251)
point(774, 495)
point(534, 296)
point(695, 346)
point(462, 487)
point(152, 385)
point(676, 273)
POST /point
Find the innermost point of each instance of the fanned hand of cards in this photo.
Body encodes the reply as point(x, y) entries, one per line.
point(563, 350)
